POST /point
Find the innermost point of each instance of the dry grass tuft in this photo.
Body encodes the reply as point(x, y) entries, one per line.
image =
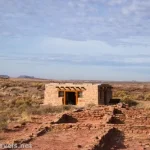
point(90, 105)
point(3, 121)
point(25, 117)
point(50, 109)
point(143, 104)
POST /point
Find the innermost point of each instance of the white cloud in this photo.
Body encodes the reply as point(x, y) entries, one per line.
point(116, 2)
point(89, 59)
point(79, 20)
point(79, 52)
point(137, 7)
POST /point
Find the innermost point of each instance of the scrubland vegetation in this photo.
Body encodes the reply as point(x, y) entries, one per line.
point(138, 97)
point(20, 99)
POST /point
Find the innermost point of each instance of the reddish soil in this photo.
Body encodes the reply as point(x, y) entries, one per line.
point(17, 131)
point(98, 128)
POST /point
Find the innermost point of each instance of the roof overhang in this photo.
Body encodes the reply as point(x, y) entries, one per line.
point(62, 88)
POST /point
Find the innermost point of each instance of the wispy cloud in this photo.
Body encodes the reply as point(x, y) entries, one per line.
point(138, 8)
point(77, 20)
point(84, 60)
point(116, 2)
point(105, 34)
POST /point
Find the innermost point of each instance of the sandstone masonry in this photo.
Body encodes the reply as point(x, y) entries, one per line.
point(80, 94)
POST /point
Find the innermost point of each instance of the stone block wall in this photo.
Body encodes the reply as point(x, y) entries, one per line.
point(51, 95)
point(109, 95)
point(90, 95)
point(101, 95)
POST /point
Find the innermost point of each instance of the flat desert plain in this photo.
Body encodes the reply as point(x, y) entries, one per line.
point(25, 122)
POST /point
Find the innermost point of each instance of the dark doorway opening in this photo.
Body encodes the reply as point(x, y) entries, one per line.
point(70, 98)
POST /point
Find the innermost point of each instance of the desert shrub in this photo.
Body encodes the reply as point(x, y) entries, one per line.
point(22, 101)
point(143, 104)
point(91, 105)
point(23, 107)
point(49, 109)
point(37, 102)
point(37, 96)
point(3, 121)
point(67, 107)
point(36, 84)
point(139, 97)
point(24, 90)
point(147, 97)
point(126, 97)
point(2, 104)
point(25, 117)
point(12, 103)
point(20, 105)
point(130, 102)
point(15, 89)
point(6, 85)
point(41, 87)
point(119, 94)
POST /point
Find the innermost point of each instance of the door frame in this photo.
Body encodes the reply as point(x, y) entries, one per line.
point(76, 96)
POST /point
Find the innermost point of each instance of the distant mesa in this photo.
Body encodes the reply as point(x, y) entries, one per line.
point(26, 76)
point(4, 77)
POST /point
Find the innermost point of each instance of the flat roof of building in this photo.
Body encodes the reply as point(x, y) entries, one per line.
point(80, 83)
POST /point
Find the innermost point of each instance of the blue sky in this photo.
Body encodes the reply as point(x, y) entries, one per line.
point(76, 39)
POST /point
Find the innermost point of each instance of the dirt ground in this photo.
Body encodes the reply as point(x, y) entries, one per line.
point(95, 128)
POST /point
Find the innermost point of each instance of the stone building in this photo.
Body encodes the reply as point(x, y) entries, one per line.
point(79, 94)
